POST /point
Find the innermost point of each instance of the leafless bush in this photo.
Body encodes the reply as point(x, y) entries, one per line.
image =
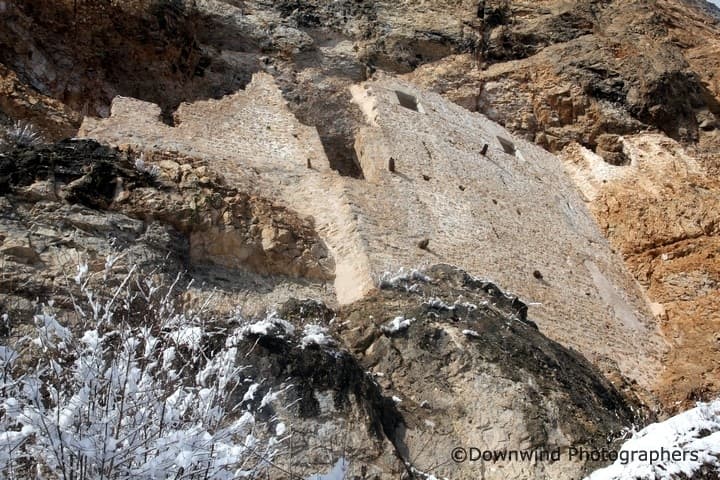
point(118, 400)
point(20, 134)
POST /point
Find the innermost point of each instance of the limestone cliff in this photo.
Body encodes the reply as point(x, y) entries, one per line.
point(253, 151)
point(378, 393)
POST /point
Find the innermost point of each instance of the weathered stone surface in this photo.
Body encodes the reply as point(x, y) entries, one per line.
point(469, 342)
point(471, 202)
point(626, 92)
point(468, 370)
point(95, 203)
point(642, 67)
point(660, 211)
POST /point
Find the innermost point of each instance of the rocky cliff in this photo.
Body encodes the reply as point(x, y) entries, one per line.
point(629, 98)
point(378, 382)
point(341, 183)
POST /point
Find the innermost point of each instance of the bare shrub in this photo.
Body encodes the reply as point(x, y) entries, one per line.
point(121, 399)
point(20, 134)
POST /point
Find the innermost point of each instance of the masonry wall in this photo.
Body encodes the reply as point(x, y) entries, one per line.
point(509, 217)
point(255, 142)
point(514, 218)
point(251, 127)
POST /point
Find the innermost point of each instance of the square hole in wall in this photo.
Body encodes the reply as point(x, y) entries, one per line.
point(408, 101)
point(507, 145)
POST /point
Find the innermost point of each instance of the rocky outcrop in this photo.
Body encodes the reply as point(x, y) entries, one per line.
point(433, 361)
point(77, 201)
point(375, 382)
point(85, 53)
point(466, 341)
point(658, 210)
point(21, 102)
point(625, 92)
point(557, 73)
point(605, 76)
point(628, 68)
point(466, 186)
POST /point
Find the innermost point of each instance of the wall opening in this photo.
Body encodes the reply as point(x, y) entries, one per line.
point(335, 117)
point(507, 145)
point(341, 155)
point(408, 101)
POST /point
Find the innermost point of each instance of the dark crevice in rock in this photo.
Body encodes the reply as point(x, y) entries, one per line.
point(90, 170)
point(341, 155)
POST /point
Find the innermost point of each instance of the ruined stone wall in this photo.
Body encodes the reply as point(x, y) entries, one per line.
point(253, 140)
point(511, 214)
point(252, 127)
point(512, 217)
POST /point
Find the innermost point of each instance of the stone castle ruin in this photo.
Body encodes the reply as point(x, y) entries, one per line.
point(440, 185)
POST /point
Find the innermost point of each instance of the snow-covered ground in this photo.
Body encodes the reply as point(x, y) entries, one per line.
point(681, 445)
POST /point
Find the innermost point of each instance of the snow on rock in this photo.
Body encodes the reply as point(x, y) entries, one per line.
point(403, 278)
point(681, 445)
point(316, 335)
point(397, 324)
point(423, 475)
point(471, 333)
point(272, 325)
point(439, 304)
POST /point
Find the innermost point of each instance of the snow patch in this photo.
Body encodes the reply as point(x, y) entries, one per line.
point(316, 335)
point(403, 279)
point(693, 436)
point(272, 325)
point(439, 304)
point(397, 324)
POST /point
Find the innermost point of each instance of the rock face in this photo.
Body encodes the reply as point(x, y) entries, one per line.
point(428, 152)
point(262, 148)
point(572, 71)
point(628, 96)
point(434, 339)
point(448, 322)
point(88, 203)
point(660, 211)
point(404, 367)
point(269, 150)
